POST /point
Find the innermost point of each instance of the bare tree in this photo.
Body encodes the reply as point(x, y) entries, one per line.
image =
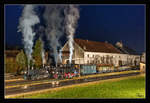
point(107, 59)
point(102, 59)
point(96, 59)
point(111, 60)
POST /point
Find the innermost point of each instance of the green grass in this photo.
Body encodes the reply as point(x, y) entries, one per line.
point(128, 88)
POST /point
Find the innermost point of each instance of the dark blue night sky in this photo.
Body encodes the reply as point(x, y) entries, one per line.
point(110, 23)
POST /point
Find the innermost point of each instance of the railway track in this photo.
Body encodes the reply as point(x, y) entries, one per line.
point(20, 81)
point(55, 84)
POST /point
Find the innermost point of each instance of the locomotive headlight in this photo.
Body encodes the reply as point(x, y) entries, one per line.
point(53, 82)
point(57, 82)
point(25, 87)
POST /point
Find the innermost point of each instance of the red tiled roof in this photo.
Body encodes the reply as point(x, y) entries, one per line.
point(94, 46)
point(11, 53)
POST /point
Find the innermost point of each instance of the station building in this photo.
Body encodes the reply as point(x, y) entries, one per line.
point(103, 53)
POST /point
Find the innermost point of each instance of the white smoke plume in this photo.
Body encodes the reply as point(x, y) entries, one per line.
point(26, 23)
point(54, 18)
point(60, 55)
point(59, 18)
point(72, 16)
point(43, 53)
point(43, 57)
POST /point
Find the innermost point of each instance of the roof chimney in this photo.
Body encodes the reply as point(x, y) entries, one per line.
point(119, 44)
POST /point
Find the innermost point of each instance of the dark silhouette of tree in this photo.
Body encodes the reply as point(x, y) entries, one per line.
point(37, 51)
point(21, 61)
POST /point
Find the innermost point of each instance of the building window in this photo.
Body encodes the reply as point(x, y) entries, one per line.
point(87, 61)
point(88, 55)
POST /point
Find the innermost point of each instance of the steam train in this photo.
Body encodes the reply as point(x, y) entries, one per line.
point(63, 71)
point(59, 72)
point(55, 72)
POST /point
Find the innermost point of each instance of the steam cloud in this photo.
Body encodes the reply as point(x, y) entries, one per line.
point(60, 55)
point(59, 19)
point(55, 29)
point(43, 54)
point(72, 16)
point(26, 22)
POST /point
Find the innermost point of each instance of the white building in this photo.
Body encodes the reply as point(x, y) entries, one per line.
point(143, 62)
point(92, 52)
point(143, 57)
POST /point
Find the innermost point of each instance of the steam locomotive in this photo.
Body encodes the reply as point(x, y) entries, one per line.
point(55, 72)
point(68, 71)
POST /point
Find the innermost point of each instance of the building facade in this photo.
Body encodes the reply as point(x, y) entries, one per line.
point(143, 62)
point(143, 57)
point(10, 60)
point(92, 52)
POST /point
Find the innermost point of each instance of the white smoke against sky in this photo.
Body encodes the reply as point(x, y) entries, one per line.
point(72, 16)
point(58, 19)
point(26, 23)
point(54, 18)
